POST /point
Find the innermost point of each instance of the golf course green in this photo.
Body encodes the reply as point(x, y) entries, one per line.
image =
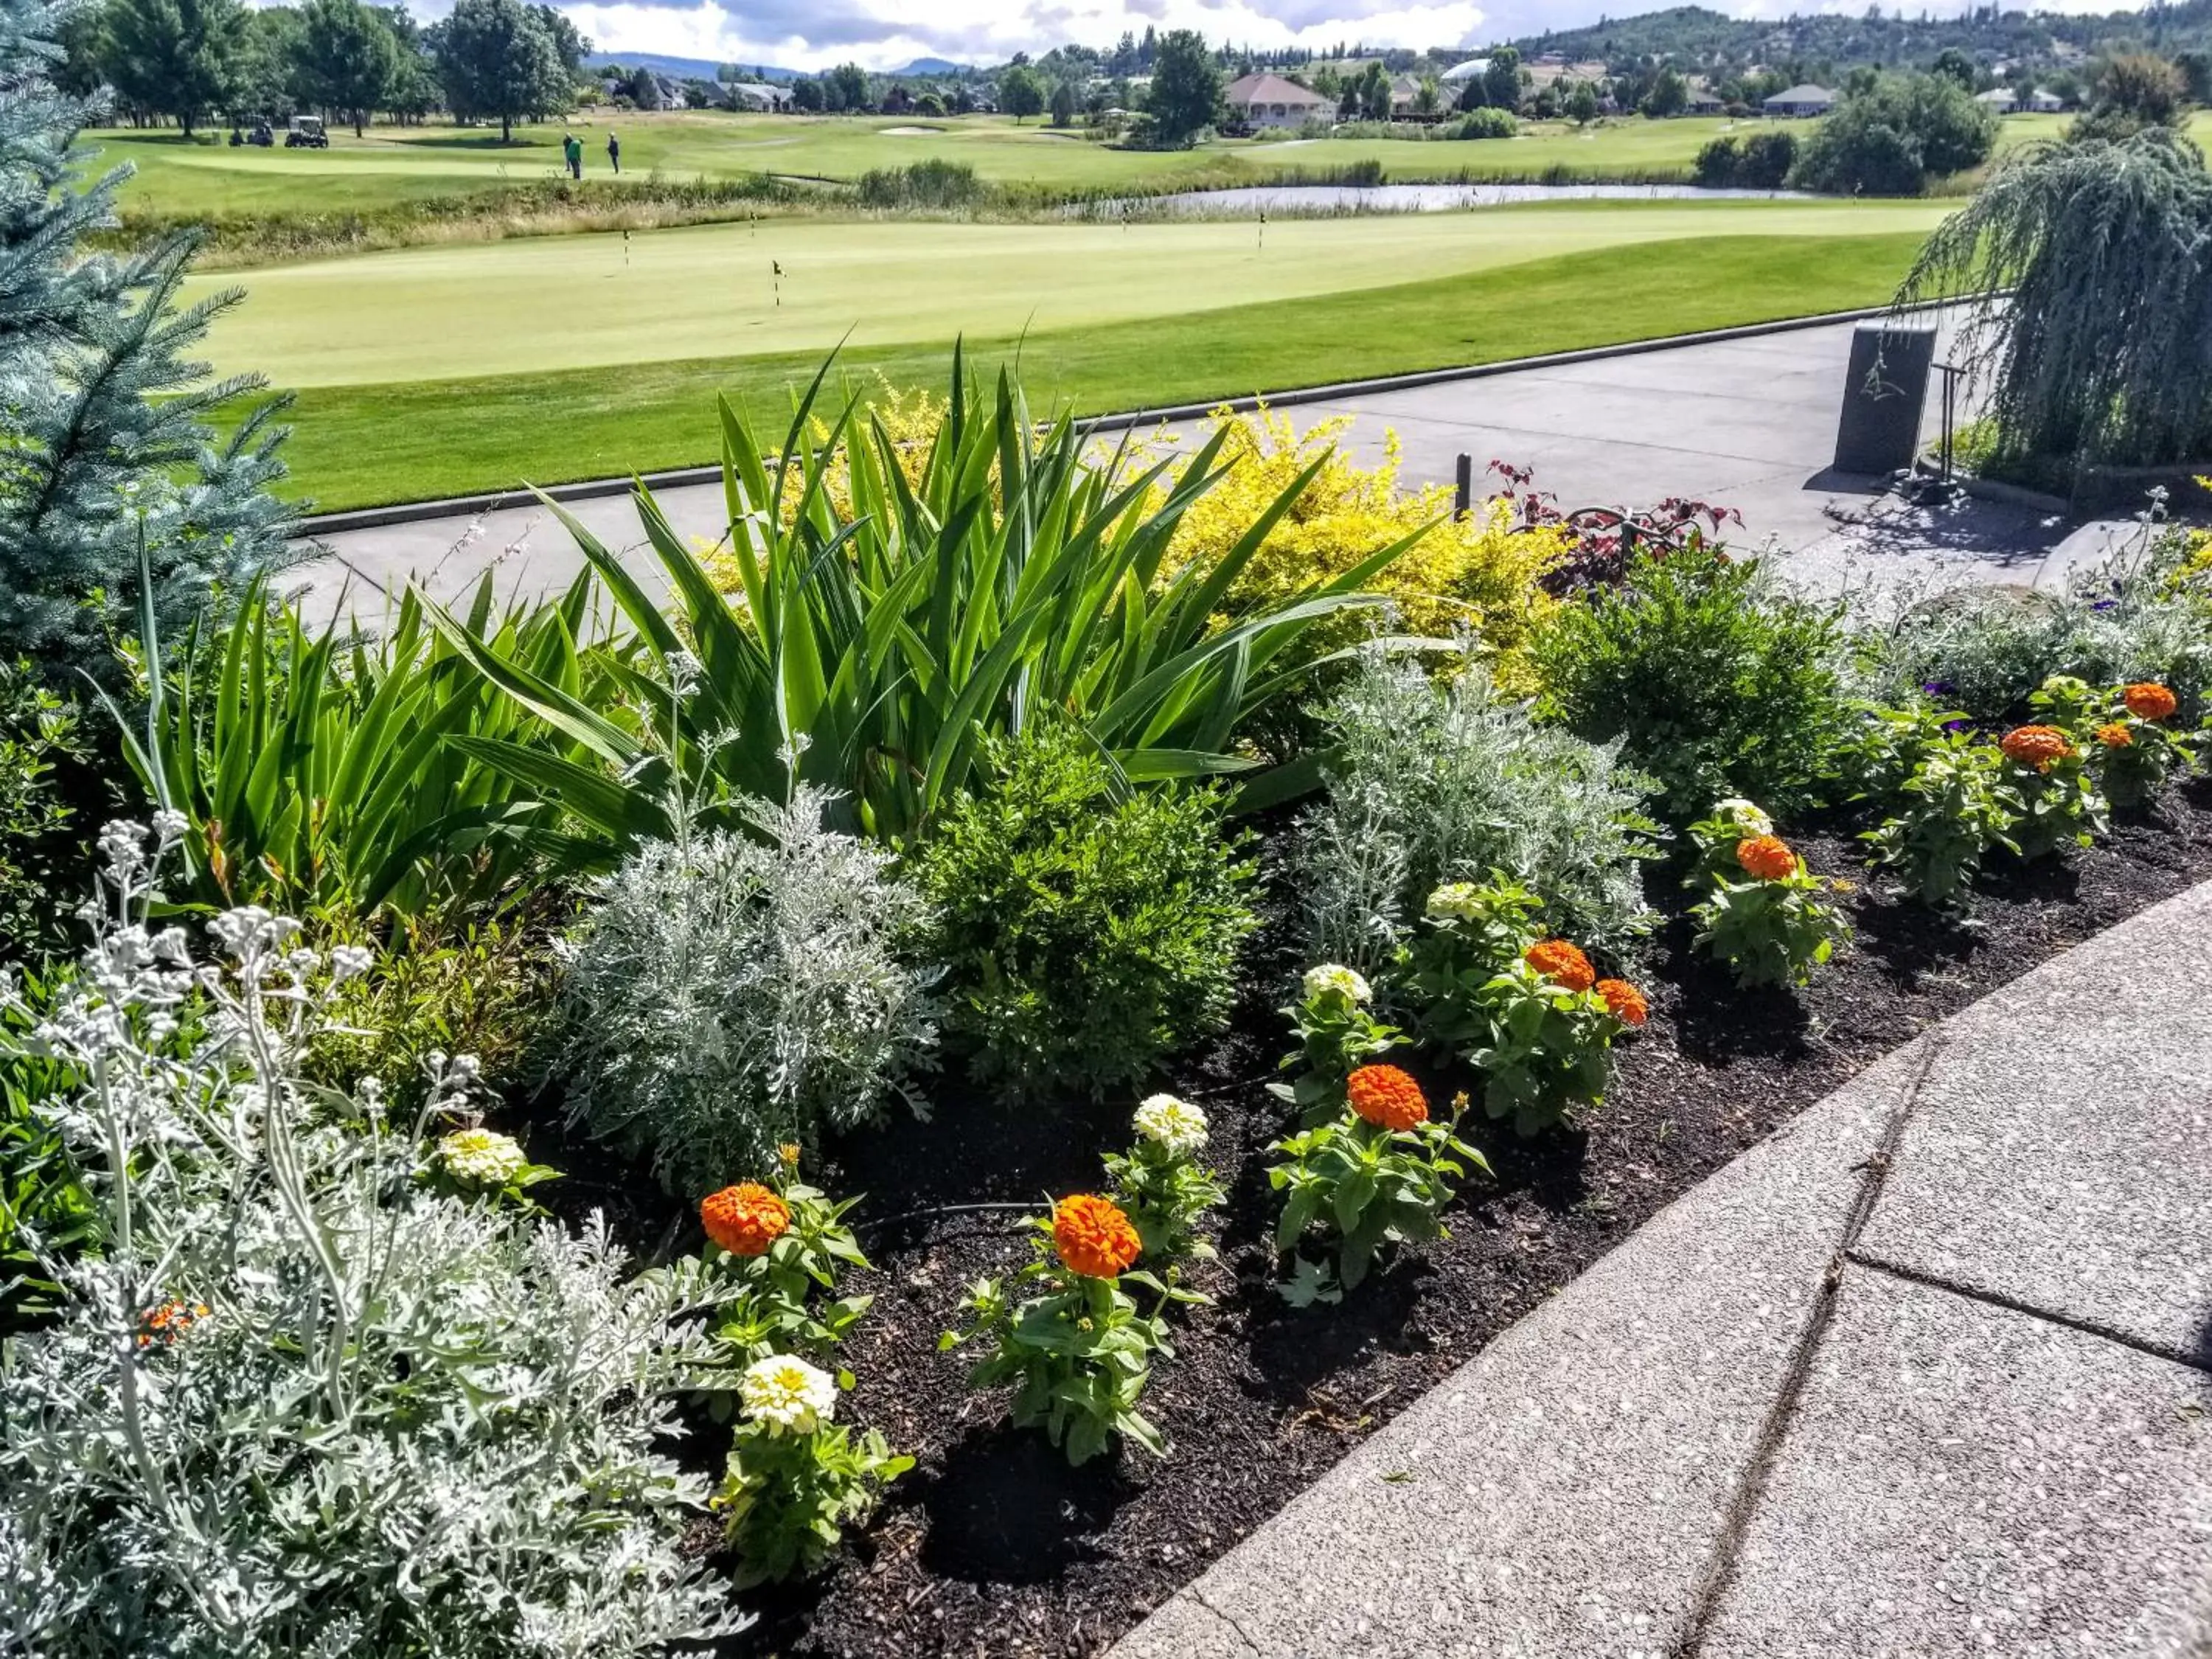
point(548, 303)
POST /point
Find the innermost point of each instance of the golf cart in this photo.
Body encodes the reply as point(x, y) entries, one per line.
point(256, 131)
point(306, 133)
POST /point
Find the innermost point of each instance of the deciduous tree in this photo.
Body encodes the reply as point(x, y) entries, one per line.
point(1021, 95)
point(347, 58)
point(2134, 93)
point(845, 88)
point(1501, 81)
point(1891, 138)
point(178, 57)
point(497, 61)
point(1186, 94)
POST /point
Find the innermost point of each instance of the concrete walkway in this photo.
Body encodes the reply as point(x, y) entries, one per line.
point(1929, 1374)
point(1749, 423)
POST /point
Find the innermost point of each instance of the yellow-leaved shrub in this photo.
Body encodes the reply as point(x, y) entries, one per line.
point(1477, 573)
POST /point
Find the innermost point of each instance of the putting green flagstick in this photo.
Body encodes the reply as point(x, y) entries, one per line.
point(776, 265)
point(1263, 230)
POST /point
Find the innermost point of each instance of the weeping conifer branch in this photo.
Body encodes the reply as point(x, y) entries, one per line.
point(2087, 272)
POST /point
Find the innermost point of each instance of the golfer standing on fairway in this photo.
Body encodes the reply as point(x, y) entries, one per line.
point(572, 151)
point(614, 153)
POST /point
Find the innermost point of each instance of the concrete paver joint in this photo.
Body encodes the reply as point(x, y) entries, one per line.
point(1736, 1514)
point(2195, 1361)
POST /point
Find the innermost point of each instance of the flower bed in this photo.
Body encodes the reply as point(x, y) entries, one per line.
point(1141, 1020)
point(995, 1546)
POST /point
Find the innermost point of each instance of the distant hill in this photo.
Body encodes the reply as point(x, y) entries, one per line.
point(682, 68)
point(929, 66)
point(1697, 35)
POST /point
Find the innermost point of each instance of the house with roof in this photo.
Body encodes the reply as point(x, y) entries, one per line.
point(762, 97)
point(1799, 102)
point(1460, 74)
point(1260, 101)
point(1405, 93)
point(2001, 100)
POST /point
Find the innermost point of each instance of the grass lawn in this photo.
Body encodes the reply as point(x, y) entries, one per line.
point(393, 165)
point(360, 444)
point(536, 305)
point(1633, 146)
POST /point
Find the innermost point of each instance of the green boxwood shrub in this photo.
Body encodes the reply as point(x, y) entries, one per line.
point(44, 759)
point(1486, 124)
point(1087, 930)
point(1717, 681)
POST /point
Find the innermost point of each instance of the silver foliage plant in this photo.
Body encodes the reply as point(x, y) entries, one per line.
point(299, 1405)
point(2136, 616)
point(1430, 783)
point(730, 993)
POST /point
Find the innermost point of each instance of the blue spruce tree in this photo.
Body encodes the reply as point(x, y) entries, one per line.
point(108, 441)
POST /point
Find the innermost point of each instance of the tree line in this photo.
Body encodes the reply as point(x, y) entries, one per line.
point(196, 61)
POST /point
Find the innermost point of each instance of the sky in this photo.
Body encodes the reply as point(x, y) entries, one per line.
point(810, 34)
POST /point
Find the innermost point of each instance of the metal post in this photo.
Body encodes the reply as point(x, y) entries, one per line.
point(1463, 489)
point(1950, 420)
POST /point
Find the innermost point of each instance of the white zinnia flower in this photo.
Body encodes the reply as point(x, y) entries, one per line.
point(787, 1395)
point(484, 1157)
point(1336, 976)
point(1742, 815)
point(1454, 899)
point(1175, 1126)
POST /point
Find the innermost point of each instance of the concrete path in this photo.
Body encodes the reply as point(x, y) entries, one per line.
point(1749, 423)
point(1929, 1374)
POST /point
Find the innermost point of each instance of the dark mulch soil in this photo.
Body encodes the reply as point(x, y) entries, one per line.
point(994, 1547)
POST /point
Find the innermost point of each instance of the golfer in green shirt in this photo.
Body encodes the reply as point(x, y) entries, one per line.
point(572, 149)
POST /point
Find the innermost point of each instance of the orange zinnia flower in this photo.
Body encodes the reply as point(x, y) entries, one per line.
point(2149, 701)
point(1092, 1235)
point(1767, 857)
point(2116, 736)
point(2038, 746)
point(171, 1321)
point(1555, 958)
point(1387, 1097)
point(744, 1220)
point(1626, 1002)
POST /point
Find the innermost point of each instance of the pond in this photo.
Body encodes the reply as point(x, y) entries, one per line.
point(1289, 201)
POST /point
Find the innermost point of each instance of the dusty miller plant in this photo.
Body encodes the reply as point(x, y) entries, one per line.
point(1985, 650)
point(1432, 783)
point(298, 1404)
point(730, 992)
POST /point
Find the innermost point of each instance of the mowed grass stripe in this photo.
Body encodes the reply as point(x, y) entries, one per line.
point(358, 446)
point(394, 164)
point(711, 291)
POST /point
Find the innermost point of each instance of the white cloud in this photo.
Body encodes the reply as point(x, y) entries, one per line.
point(884, 33)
